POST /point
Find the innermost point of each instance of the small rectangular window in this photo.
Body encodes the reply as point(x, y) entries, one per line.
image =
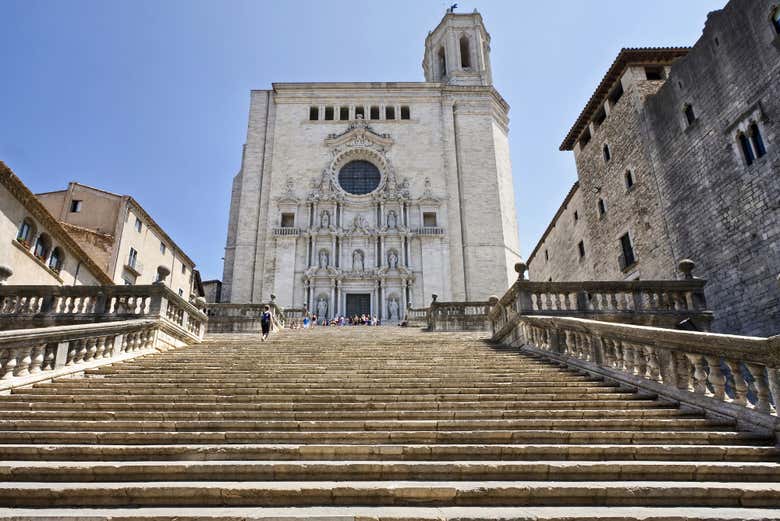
point(581, 249)
point(329, 113)
point(690, 115)
point(181, 292)
point(360, 112)
point(162, 248)
point(183, 269)
point(389, 112)
point(629, 179)
point(314, 113)
point(616, 93)
point(344, 113)
point(546, 255)
point(405, 112)
point(600, 116)
point(602, 208)
point(138, 225)
point(654, 73)
point(132, 258)
point(627, 258)
point(576, 216)
point(75, 206)
point(288, 220)
point(374, 112)
point(585, 137)
point(429, 219)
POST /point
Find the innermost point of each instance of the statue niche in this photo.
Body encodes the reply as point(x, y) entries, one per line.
point(358, 261)
point(392, 219)
point(324, 259)
point(392, 259)
point(393, 308)
point(322, 307)
point(325, 219)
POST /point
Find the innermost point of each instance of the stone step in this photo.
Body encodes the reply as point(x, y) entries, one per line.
point(635, 402)
point(400, 437)
point(391, 493)
point(402, 452)
point(133, 471)
point(349, 513)
point(152, 414)
point(591, 424)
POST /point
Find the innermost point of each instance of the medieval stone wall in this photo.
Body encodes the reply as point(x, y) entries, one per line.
point(722, 212)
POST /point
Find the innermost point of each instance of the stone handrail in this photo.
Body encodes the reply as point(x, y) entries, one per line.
point(417, 316)
point(284, 231)
point(242, 318)
point(459, 316)
point(664, 303)
point(428, 230)
point(41, 306)
point(727, 375)
point(32, 355)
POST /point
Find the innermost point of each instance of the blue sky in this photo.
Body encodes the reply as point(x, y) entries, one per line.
point(150, 98)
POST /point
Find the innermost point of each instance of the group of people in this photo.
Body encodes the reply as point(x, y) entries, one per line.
point(357, 320)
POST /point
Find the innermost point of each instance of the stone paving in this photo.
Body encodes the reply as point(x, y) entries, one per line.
point(368, 423)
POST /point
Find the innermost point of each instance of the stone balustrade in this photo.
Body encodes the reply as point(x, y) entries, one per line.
point(285, 231)
point(666, 303)
point(459, 316)
point(729, 375)
point(428, 230)
point(417, 316)
point(242, 318)
point(32, 355)
point(23, 307)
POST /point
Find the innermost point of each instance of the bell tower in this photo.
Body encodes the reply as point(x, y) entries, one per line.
point(457, 52)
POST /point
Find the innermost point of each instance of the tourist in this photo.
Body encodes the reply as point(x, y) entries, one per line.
point(265, 323)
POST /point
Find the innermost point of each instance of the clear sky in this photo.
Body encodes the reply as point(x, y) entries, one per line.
point(150, 98)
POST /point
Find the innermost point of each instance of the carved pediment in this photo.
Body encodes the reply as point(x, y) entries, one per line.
point(359, 135)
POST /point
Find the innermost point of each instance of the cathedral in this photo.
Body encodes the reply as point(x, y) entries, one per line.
point(370, 198)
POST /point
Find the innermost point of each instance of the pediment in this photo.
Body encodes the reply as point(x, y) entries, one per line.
point(359, 134)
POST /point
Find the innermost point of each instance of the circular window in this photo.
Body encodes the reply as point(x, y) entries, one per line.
point(359, 177)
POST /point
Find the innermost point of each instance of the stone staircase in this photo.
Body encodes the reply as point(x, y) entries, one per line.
point(368, 423)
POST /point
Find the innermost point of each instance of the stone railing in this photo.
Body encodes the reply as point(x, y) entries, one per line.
point(417, 316)
point(33, 355)
point(672, 303)
point(725, 375)
point(242, 318)
point(293, 317)
point(283, 231)
point(23, 307)
point(428, 230)
point(459, 316)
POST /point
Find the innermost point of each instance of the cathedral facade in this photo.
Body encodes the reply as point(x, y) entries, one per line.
point(371, 197)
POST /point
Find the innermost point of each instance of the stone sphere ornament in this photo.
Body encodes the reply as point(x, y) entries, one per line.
point(520, 268)
point(162, 274)
point(686, 267)
point(5, 273)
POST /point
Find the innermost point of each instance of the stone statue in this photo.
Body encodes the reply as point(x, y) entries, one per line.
point(325, 219)
point(392, 219)
point(392, 308)
point(323, 259)
point(392, 259)
point(322, 308)
point(357, 261)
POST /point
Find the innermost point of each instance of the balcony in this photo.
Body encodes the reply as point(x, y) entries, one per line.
point(428, 231)
point(135, 267)
point(285, 231)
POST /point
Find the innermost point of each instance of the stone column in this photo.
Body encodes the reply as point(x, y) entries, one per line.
point(402, 311)
point(332, 305)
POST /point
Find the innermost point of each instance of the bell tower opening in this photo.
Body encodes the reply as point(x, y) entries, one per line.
point(457, 51)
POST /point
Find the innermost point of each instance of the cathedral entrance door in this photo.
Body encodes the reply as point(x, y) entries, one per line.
point(358, 304)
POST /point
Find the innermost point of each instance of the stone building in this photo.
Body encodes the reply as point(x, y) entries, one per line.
point(37, 249)
point(368, 197)
point(120, 236)
point(678, 155)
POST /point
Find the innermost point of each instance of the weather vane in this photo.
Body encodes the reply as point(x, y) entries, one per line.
point(452, 8)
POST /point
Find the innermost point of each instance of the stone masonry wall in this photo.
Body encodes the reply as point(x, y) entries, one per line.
point(721, 212)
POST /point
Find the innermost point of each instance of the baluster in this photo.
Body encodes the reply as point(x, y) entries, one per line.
point(761, 387)
point(108, 351)
point(570, 340)
point(91, 349)
point(73, 352)
point(50, 358)
point(83, 351)
point(653, 364)
point(640, 356)
point(609, 356)
point(716, 378)
point(25, 359)
point(613, 301)
point(37, 356)
point(699, 374)
point(774, 387)
point(10, 364)
point(100, 347)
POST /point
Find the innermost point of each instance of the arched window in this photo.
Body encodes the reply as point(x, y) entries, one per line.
point(56, 260)
point(607, 153)
point(757, 140)
point(442, 61)
point(747, 150)
point(26, 233)
point(776, 19)
point(42, 246)
point(465, 52)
